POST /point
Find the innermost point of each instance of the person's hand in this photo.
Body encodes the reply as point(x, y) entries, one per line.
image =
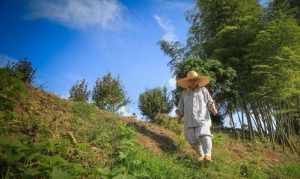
point(214, 110)
point(216, 113)
point(178, 113)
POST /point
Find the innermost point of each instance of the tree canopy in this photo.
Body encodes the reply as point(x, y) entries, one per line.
point(109, 94)
point(79, 91)
point(252, 55)
point(155, 101)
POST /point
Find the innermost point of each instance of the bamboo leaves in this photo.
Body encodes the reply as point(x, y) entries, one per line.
point(252, 55)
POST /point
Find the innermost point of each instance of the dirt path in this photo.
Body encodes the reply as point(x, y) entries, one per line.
point(157, 139)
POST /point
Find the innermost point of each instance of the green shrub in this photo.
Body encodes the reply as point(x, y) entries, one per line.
point(79, 91)
point(22, 159)
point(12, 90)
point(155, 101)
point(108, 93)
point(24, 70)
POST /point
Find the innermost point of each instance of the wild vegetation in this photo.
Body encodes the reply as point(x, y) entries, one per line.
point(43, 136)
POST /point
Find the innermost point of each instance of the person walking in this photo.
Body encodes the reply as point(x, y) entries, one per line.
point(195, 105)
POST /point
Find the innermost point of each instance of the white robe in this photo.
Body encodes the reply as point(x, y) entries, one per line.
point(194, 106)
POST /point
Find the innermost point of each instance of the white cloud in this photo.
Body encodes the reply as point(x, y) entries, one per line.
point(78, 14)
point(6, 60)
point(167, 27)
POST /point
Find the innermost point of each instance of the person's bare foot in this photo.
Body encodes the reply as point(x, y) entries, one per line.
point(207, 158)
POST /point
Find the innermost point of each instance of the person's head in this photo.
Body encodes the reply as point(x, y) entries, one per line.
point(193, 83)
point(193, 80)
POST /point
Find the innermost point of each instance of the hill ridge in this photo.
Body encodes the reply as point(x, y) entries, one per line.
point(103, 144)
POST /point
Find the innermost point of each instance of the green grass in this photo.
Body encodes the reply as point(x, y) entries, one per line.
point(286, 171)
point(122, 156)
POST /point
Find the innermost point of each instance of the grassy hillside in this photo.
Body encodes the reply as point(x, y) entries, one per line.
point(43, 136)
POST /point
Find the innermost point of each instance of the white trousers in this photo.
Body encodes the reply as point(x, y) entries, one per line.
point(200, 138)
point(203, 146)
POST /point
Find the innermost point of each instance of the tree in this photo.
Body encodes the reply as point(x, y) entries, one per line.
point(24, 70)
point(174, 50)
point(155, 101)
point(108, 93)
point(252, 55)
point(79, 91)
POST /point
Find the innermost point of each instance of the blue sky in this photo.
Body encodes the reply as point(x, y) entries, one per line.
point(68, 40)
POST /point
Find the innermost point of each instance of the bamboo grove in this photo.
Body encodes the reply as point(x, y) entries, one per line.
point(251, 51)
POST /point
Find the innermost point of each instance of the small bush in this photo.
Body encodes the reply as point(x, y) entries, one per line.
point(79, 91)
point(12, 90)
point(108, 93)
point(155, 101)
point(24, 70)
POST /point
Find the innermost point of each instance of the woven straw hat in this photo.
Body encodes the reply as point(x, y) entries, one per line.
point(193, 77)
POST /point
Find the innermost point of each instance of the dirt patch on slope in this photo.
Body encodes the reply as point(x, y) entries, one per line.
point(157, 139)
point(240, 151)
point(152, 137)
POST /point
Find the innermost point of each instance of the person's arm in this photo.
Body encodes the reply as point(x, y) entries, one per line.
point(180, 110)
point(211, 103)
point(213, 109)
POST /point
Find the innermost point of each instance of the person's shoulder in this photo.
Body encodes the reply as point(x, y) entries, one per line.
point(201, 89)
point(204, 89)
